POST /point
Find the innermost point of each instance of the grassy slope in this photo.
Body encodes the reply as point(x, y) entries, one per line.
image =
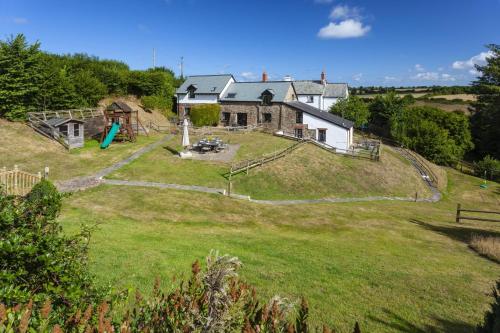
point(21, 145)
point(395, 267)
point(309, 172)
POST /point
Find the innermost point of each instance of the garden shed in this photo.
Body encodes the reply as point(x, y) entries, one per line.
point(65, 130)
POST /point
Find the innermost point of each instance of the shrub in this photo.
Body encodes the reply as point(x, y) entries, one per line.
point(160, 103)
point(487, 246)
point(488, 168)
point(205, 115)
point(491, 322)
point(37, 260)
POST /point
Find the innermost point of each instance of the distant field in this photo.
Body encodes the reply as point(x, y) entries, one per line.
point(401, 94)
point(445, 106)
point(463, 97)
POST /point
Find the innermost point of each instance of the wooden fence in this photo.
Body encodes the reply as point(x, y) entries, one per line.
point(253, 163)
point(17, 182)
point(369, 154)
point(460, 217)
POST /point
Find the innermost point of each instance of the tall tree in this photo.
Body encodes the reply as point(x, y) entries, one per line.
point(486, 119)
point(352, 108)
point(19, 77)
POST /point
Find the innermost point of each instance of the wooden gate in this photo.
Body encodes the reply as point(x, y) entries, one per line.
point(17, 182)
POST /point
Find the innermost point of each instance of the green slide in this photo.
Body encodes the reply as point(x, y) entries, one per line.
point(111, 135)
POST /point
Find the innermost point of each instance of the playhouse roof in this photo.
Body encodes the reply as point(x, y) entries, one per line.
point(56, 122)
point(119, 105)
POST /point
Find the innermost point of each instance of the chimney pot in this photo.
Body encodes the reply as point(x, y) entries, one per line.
point(323, 77)
point(264, 76)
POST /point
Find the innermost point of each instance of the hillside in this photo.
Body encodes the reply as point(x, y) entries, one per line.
point(32, 152)
point(309, 172)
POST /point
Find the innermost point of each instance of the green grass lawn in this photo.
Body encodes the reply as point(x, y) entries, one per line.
point(309, 172)
point(392, 266)
point(32, 152)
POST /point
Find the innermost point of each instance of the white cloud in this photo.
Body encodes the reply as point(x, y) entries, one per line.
point(433, 76)
point(419, 68)
point(391, 79)
point(357, 77)
point(345, 12)
point(248, 75)
point(479, 59)
point(345, 29)
point(20, 20)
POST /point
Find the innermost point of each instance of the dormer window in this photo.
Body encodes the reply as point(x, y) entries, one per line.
point(267, 96)
point(191, 91)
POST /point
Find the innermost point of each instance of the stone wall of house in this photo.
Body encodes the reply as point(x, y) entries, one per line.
point(283, 117)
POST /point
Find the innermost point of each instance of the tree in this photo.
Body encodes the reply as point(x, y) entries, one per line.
point(486, 120)
point(384, 111)
point(19, 77)
point(352, 108)
point(440, 136)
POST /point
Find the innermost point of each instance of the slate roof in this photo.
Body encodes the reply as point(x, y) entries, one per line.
point(56, 122)
point(308, 88)
point(205, 84)
point(331, 118)
point(252, 91)
point(338, 90)
point(332, 90)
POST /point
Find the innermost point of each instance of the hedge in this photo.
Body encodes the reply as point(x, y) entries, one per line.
point(205, 115)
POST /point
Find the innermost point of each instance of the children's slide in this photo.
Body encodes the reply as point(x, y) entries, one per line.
point(111, 135)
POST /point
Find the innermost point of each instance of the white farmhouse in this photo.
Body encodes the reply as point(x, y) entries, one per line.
point(201, 89)
point(320, 94)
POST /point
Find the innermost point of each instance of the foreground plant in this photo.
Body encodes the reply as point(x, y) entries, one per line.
point(212, 300)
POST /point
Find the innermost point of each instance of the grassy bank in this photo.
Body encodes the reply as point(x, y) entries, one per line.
point(395, 267)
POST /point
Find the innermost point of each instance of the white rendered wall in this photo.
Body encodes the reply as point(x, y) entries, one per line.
point(336, 136)
point(328, 102)
point(199, 99)
point(317, 99)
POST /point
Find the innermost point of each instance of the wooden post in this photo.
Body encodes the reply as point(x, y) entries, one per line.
point(416, 196)
point(248, 165)
point(458, 213)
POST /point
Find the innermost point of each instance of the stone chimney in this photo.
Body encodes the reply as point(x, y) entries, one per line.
point(323, 77)
point(264, 76)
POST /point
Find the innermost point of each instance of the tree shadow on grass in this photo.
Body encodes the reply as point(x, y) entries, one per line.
point(459, 233)
point(440, 325)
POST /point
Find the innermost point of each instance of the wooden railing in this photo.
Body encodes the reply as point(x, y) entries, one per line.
point(71, 114)
point(373, 154)
point(253, 163)
point(422, 165)
point(460, 217)
point(17, 182)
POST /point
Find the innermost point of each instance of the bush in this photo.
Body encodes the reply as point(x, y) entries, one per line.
point(38, 261)
point(488, 168)
point(205, 115)
point(160, 103)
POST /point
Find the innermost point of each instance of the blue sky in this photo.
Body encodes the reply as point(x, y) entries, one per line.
point(362, 42)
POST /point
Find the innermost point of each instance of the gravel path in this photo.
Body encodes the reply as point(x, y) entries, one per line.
point(85, 182)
